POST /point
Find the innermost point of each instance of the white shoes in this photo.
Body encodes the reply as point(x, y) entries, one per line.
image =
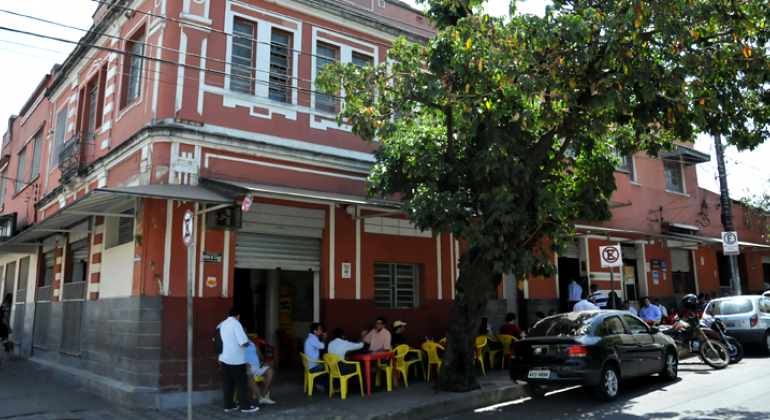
point(230, 410)
point(266, 400)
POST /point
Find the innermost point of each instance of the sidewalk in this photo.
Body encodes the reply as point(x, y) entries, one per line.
point(29, 391)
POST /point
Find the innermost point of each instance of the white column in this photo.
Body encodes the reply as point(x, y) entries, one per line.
point(316, 296)
point(358, 254)
point(167, 247)
point(331, 250)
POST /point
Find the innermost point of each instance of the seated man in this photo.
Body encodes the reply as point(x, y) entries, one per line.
point(379, 337)
point(663, 311)
point(510, 327)
point(597, 298)
point(340, 347)
point(649, 312)
point(398, 338)
point(256, 368)
point(628, 308)
point(584, 304)
point(314, 343)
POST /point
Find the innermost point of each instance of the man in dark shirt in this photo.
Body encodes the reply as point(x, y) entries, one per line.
point(398, 338)
point(510, 327)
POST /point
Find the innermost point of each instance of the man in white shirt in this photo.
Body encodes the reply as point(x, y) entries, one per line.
point(628, 308)
point(574, 292)
point(340, 347)
point(313, 346)
point(233, 361)
point(584, 304)
point(663, 311)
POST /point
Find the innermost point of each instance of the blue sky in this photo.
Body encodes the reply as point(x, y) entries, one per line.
point(23, 66)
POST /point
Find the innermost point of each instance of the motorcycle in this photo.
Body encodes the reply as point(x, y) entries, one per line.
point(692, 339)
point(731, 344)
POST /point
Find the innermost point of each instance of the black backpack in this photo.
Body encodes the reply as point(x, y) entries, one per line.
point(219, 345)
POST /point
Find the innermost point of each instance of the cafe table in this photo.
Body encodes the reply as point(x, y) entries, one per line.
point(375, 355)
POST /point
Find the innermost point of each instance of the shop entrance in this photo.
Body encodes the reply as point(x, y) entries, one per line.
point(569, 268)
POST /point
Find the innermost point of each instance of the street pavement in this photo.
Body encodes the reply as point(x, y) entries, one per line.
point(739, 392)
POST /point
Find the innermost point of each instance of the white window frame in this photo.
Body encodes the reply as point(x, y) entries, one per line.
point(680, 177)
point(112, 228)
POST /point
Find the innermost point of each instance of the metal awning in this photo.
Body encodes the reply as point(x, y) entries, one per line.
point(601, 230)
point(237, 188)
point(717, 241)
point(101, 202)
point(682, 226)
point(688, 155)
point(170, 192)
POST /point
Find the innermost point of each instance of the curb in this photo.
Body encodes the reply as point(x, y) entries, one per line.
point(456, 403)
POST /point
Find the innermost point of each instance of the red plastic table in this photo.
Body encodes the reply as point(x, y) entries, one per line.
point(375, 355)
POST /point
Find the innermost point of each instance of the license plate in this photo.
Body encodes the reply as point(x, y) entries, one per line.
point(539, 374)
point(729, 324)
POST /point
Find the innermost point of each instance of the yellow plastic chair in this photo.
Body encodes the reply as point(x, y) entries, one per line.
point(413, 362)
point(491, 353)
point(481, 343)
point(252, 335)
point(433, 358)
point(333, 361)
point(506, 340)
point(257, 379)
point(401, 352)
point(310, 377)
point(442, 341)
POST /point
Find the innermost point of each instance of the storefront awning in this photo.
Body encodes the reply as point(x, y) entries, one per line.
point(103, 202)
point(601, 230)
point(681, 226)
point(237, 188)
point(717, 241)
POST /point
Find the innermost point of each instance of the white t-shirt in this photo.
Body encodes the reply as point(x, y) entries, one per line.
point(233, 340)
point(585, 305)
point(663, 310)
point(340, 347)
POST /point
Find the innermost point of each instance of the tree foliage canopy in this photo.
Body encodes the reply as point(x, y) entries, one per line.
point(506, 130)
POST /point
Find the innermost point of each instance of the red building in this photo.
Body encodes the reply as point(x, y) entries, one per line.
point(177, 105)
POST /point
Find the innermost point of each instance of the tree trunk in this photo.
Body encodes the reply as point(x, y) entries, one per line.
point(474, 288)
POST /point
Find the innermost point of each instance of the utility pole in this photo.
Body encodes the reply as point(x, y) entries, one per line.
point(727, 215)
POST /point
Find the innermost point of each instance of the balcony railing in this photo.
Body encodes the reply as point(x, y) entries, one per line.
point(77, 153)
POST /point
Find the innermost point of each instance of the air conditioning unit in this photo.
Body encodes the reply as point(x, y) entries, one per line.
point(228, 218)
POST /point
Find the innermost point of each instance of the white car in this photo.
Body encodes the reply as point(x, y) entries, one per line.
point(747, 318)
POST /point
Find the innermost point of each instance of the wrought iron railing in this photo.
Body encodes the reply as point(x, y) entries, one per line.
point(77, 153)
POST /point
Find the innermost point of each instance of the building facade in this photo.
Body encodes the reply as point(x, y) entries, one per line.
point(173, 114)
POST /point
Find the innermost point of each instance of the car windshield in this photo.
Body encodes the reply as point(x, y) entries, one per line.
point(730, 307)
point(573, 324)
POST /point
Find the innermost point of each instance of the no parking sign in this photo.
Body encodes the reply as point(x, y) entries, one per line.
point(611, 256)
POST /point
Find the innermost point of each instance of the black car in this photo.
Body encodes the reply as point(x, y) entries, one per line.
point(594, 348)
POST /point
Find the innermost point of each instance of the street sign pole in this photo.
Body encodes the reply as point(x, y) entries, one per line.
point(612, 287)
point(727, 215)
point(611, 257)
point(187, 236)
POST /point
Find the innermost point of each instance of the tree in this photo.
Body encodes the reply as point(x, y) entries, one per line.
point(505, 131)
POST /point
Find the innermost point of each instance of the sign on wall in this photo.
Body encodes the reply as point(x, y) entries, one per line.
point(655, 279)
point(610, 256)
point(212, 257)
point(730, 243)
point(346, 270)
point(663, 267)
point(655, 264)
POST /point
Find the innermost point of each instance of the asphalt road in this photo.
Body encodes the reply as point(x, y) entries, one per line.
point(739, 392)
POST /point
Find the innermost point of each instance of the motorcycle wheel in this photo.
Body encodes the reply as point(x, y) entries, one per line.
point(737, 354)
point(718, 358)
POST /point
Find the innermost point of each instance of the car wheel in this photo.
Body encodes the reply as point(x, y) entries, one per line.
point(607, 390)
point(766, 343)
point(670, 366)
point(536, 391)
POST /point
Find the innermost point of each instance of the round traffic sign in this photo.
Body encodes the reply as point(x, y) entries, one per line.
point(730, 238)
point(187, 228)
point(610, 255)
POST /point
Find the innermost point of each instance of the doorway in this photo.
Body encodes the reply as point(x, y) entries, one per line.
point(569, 268)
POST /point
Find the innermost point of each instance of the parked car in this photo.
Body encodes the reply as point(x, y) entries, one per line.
point(746, 318)
point(592, 348)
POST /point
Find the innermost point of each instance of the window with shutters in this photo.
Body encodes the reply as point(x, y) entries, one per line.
point(58, 143)
point(132, 70)
point(241, 68)
point(48, 263)
point(673, 173)
point(280, 66)
point(4, 175)
point(37, 152)
point(21, 181)
point(325, 55)
point(396, 285)
point(631, 163)
point(120, 230)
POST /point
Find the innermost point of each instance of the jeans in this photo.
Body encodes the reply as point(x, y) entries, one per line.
point(234, 378)
point(324, 380)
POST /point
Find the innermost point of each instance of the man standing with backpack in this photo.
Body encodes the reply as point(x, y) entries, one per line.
point(230, 342)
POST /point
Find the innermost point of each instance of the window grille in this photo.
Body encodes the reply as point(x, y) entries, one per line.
point(280, 64)
point(135, 70)
point(395, 285)
point(241, 74)
point(673, 171)
point(323, 102)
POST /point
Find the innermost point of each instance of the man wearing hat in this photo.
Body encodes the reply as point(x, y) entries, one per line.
point(398, 338)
